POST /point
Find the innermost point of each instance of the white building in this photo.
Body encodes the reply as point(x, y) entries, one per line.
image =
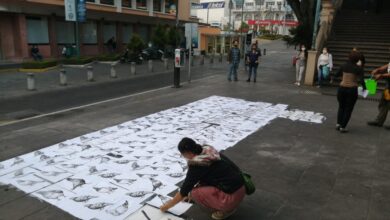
point(212, 12)
point(273, 15)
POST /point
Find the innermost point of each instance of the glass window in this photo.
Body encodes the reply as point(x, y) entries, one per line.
point(127, 33)
point(89, 32)
point(143, 33)
point(107, 2)
point(259, 2)
point(157, 5)
point(248, 17)
point(91, 1)
point(109, 31)
point(170, 7)
point(37, 31)
point(238, 16)
point(126, 3)
point(141, 4)
point(65, 32)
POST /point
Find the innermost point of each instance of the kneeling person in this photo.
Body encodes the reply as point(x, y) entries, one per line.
point(212, 180)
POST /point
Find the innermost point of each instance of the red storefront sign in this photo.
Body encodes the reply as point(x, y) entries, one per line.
point(272, 22)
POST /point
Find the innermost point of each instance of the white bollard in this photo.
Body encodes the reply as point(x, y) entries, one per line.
point(30, 81)
point(112, 71)
point(132, 68)
point(150, 66)
point(220, 57)
point(166, 63)
point(90, 74)
point(63, 78)
point(192, 60)
point(212, 59)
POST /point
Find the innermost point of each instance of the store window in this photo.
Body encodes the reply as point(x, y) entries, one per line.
point(126, 3)
point(65, 32)
point(141, 4)
point(107, 2)
point(157, 4)
point(127, 33)
point(143, 33)
point(170, 7)
point(37, 30)
point(259, 2)
point(109, 31)
point(89, 32)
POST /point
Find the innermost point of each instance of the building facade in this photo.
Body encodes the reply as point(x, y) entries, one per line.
point(275, 16)
point(24, 23)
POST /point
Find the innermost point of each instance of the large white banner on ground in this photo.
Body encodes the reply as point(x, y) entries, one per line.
point(111, 173)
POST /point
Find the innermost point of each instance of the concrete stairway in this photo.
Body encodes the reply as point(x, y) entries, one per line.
point(370, 33)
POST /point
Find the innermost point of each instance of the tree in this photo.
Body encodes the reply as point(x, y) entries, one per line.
point(305, 12)
point(160, 37)
point(244, 27)
point(136, 44)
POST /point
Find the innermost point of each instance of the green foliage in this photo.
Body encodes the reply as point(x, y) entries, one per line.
point(160, 36)
point(244, 26)
point(78, 61)
point(271, 36)
point(108, 57)
point(136, 44)
point(39, 64)
point(172, 35)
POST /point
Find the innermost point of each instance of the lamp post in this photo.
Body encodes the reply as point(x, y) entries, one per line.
point(176, 70)
point(242, 21)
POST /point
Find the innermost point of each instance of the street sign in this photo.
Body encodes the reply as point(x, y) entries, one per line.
point(70, 10)
point(81, 10)
point(191, 34)
point(208, 5)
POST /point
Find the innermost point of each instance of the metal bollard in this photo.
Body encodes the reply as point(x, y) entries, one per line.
point(264, 51)
point(63, 78)
point(112, 71)
point(150, 65)
point(202, 60)
point(30, 81)
point(90, 74)
point(132, 68)
point(212, 59)
point(192, 60)
point(166, 63)
point(220, 57)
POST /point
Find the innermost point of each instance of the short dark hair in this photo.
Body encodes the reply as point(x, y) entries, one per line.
point(235, 41)
point(354, 56)
point(187, 145)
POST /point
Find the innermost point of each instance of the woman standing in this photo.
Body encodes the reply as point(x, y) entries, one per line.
point(253, 62)
point(212, 180)
point(324, 66)
point(300, 64)
point(352, 74)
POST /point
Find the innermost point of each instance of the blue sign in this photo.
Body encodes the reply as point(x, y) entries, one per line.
point(208, 5)
point(81, 10)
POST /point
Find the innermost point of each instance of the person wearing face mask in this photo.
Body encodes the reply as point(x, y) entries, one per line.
point(253, 62)
point(324, 66)
point(212, 180)
point(300, 64)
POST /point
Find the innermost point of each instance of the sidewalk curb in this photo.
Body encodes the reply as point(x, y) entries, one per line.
point(38, 70)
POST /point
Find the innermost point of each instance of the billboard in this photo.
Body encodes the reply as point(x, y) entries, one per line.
point(70, 10)
point(208, 5)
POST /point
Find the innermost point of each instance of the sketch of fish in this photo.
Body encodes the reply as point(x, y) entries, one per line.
point(144, 157)
point(52, 194)
point(76, 182)
point(104, 159)
point(83, 138)
point(37, 153)
point(138, 194)
point(119, 210)
point(19, 173)
point(108, 149)
point(145, 135)
point(176, 175)
point(125, 181)
point(94, 170)
point(146, 175)
point(105, 132)
point(105, 189)
point(156, 183)
point(72, 166)
point(17, 161)
point(43, 157)
point(160, 168)
point(52, 173)
point(125, 142)
point(90, 157)
point(1, 166)
point(137, 147)
point(62, 145)
point(83, 198)
point(124, 151)
point(155, 151)
point(121, 126)
point(50, 162)
point(114, 155)
point(85, 147)
point(100, 205)
point(163, 199)
point(123, 161)
point(136, 166)
point(109, 175)
point(29, 182)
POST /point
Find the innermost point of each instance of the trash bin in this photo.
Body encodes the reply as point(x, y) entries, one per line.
point(371, 85)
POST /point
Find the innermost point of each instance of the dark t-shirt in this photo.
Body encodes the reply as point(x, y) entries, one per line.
point(220, 174)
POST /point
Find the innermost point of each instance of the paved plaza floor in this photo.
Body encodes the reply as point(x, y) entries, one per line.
point(301, 170)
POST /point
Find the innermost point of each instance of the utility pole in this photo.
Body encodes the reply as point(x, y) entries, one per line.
point(242, 21)
point(176, 72)
point(230, 16)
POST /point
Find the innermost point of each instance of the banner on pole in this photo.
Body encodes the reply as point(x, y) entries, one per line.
point(191, 34)
point(81, 11)
point(70, 10)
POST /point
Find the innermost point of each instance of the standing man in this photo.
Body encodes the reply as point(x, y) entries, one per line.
point(234, 60)
point(384, 105)
point(253, 62)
